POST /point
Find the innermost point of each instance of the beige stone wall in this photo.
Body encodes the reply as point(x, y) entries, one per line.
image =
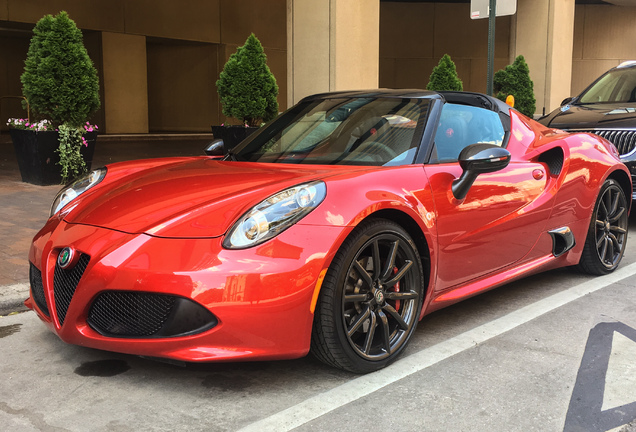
point(604, 37)
point(158, 60)
point(414, 36)
point(332, 45)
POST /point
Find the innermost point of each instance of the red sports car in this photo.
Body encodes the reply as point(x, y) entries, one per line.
point(333, 229)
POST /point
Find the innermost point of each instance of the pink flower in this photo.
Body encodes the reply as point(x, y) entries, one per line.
point(84, 141)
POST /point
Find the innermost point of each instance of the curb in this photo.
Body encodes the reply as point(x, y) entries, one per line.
point(12, 298)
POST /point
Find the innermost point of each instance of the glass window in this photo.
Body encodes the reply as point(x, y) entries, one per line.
point(462, 125)
point(615, 86)
point(348, 131)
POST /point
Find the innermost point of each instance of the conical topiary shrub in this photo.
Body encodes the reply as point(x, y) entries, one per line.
point(444, 76)
point(515, 80)
point(247, 87)
point(60, 84)
point(59, 80)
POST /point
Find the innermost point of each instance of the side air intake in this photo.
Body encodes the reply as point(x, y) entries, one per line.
point(562, 240)
point(554, 159)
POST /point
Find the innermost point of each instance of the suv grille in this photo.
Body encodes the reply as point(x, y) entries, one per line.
point(64, 284)
point(624, 140)
point(130, 314)
point(37, 289)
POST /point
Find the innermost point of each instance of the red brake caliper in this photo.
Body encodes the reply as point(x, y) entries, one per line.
point(396, 288)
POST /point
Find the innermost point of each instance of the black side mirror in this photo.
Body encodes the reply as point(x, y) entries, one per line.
point(567, 100)
point(215, 148)
point(478, 159)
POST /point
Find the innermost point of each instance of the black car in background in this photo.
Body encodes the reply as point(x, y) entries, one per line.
point(606, 108)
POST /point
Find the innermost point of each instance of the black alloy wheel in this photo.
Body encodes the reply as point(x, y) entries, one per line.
point(370, 300)
point(607, 235)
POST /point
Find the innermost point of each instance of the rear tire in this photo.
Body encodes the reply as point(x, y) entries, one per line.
point(370, 300)
point(607, 234)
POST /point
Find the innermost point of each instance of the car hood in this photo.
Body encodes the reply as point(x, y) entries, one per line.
point(602, 116)
point(188, 198)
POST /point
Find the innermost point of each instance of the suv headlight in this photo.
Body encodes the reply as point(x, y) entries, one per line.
point(75, 189)
point(274, 215)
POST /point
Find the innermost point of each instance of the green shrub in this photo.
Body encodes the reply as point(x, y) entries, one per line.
point(444, 76)
point(515, 80)
point(59, 80)
point(247, 87)
point(60, 83)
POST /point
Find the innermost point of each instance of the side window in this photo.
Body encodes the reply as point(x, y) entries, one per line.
point(462, 125)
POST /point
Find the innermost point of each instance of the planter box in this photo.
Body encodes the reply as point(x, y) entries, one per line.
point(37, 157)
point(232, 135)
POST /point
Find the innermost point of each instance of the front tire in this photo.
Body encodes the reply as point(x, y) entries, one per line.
point(607, 235)
point(370, 299)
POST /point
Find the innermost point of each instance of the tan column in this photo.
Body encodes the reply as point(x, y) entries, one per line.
point(543, 32)
point(125, 83)
point(331, 45)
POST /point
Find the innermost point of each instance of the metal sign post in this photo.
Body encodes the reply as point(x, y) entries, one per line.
point(491, 9)
point(491, 45)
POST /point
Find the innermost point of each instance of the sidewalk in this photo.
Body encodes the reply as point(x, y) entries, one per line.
point(24, 208)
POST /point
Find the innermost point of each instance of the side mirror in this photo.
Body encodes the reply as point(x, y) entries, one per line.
point(215, 148)
point(478, 159)
point(567, 100)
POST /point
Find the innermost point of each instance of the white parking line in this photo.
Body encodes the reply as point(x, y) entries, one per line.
point(357, 388)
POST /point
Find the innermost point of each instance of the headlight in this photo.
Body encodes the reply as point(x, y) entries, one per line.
point(274, 215)
point(75, 189)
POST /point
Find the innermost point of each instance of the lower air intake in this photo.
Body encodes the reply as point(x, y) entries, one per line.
point(129, 314)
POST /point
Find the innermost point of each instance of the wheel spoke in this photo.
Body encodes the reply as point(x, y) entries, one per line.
point(396, 316)
point(358, 321)
point(603, 248)
point(385, 330)
point(390, 262)
point(400, 275)
point(366, 277)
point(352, 298)
point(614, 242)
point(615, 217)
point(605, 204)
point(377, 265)
point(617, 229)
point(614, 203)
point(368, 340)
point(410, 295)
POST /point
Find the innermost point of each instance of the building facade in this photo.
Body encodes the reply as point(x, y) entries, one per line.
point(158, 60)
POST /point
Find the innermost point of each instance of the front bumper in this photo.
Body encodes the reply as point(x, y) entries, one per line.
point(259, 298)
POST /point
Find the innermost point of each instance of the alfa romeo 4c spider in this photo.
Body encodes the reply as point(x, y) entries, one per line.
point(333, 229)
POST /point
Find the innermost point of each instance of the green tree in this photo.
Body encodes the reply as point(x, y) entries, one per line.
point(247, 87)
point(444, 76)
point(59, 79)
point(515, 80)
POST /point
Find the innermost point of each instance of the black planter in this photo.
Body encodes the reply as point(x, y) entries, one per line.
point(232, 135)
point(37, 156)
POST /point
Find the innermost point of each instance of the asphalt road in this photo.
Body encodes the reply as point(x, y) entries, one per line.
point(552, 352)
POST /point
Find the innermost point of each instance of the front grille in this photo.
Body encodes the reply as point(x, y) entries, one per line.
point(624, 140)
point(37, 289)
point(130, 314)
point(64, 285)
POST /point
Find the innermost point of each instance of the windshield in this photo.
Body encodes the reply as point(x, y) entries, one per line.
point(618, 85)
point(344, 131)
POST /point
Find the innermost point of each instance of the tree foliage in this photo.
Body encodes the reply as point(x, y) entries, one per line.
point(444, 76)
point(59, 79)
point(515, 80)
point(247, 87)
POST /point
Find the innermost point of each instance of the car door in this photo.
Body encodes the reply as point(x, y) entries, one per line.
point(504, 213)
